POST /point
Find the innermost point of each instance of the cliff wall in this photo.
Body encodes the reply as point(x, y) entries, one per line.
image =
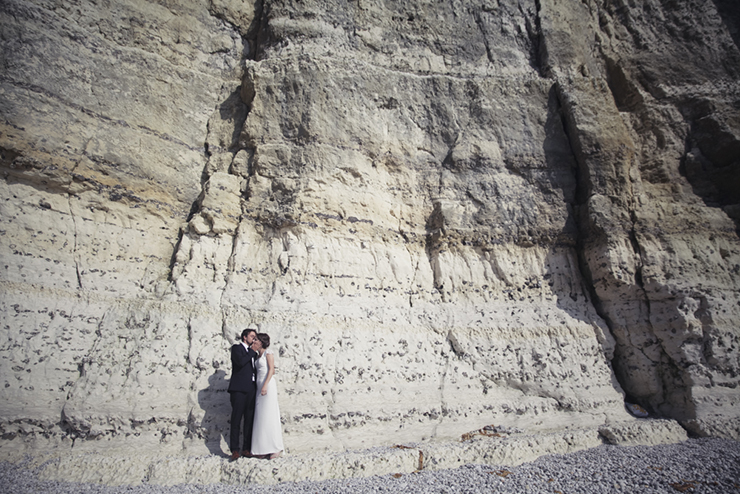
point(445, 214)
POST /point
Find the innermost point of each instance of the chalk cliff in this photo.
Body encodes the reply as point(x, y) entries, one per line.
point(445, 214)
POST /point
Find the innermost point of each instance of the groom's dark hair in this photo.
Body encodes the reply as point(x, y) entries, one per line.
point(264, 339)
point(247, 331)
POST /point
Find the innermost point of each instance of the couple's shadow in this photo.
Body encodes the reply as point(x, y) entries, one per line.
point(215, 425)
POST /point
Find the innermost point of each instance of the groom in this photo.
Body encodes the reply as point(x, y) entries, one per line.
point(242, 390)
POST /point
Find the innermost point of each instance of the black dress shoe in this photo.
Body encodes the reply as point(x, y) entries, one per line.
point(234, 456)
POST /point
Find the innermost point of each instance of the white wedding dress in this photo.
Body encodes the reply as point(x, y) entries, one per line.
point(267, 431)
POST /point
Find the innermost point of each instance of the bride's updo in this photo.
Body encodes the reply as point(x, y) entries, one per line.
point(264, 339)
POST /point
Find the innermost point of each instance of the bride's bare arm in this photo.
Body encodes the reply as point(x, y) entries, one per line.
point(270, 371)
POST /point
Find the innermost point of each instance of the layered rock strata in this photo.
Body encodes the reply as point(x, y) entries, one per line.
point(445, 215)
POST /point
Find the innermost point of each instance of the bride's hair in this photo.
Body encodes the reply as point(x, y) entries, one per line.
point(264, 339)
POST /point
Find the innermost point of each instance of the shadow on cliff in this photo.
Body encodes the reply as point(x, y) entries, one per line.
point(214, 401)
point(566, 270)
point(729, 11)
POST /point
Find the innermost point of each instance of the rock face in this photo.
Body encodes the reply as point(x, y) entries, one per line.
point(446, 215)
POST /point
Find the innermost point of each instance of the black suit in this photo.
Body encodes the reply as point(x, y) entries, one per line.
point(242, 390)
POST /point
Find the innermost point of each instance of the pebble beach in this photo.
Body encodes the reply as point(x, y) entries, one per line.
point(699, 465)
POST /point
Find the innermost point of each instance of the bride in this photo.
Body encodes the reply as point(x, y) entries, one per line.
point(267, 434)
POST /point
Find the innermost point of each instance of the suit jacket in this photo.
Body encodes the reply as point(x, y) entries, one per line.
point(242, 369)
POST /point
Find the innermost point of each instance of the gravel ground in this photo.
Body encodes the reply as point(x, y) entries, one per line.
point(694, 466)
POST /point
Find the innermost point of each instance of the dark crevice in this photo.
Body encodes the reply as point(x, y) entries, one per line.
point(585, 270)
point(729, 11)
point(481, 27)
point(542, 62)
point(626, 96)
point(248, 33)
point(262, 36)
point(592, 235)
point(585, 236)
point(173, 257)
point(711, 162)
point(234, 108)
point(255, 29)
point(534, 32)
point(579, 206)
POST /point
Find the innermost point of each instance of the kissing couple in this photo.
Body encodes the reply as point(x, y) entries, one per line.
point(254, 401)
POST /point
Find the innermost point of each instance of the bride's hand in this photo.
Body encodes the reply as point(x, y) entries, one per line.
point(264, 391)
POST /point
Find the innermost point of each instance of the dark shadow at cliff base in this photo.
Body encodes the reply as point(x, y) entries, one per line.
point(214, 426)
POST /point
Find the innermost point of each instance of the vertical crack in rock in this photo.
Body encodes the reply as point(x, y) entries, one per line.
point(609, 256)
point(222, 173)
point(442, 382)
point(333, 415)
point(244, 17)
point(75, 249)
point(609, 259)
point(174, 259)
point(655, 368)
point(434, 232)
point(413, 277)
point(479, 22)
point(702, 130)
point(535, 37)
point(130, 115)
point(262, 34)
point(337, 90)
point(73, 425)
point(230, 264)
point(494, 20)
point(189, 356)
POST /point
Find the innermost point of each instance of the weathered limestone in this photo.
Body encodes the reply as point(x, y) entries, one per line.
point(445, 215)
point(499, 449)
point(660, 301)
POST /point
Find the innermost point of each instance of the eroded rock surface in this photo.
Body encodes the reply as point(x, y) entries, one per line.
point(446, 215)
